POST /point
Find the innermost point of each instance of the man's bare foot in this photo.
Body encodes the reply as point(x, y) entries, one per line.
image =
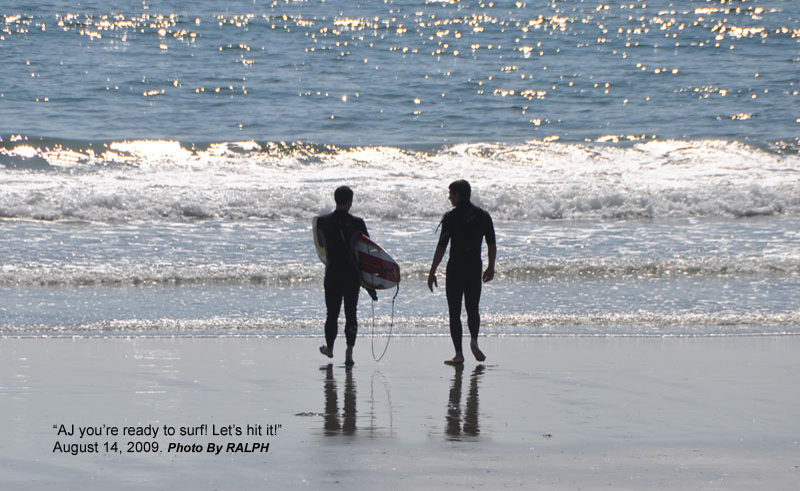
point(473, 345)
point(456, 360)
point(326, 351)
point(348, 357)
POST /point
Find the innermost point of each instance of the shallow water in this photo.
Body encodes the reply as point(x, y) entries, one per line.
point(668, 277)
point(160, 163)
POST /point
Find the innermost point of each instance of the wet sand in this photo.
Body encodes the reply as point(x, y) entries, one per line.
point(540, 413)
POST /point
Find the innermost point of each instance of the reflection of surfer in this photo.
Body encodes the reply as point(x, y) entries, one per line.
point(464, 227)
point(342, 281)
point(456, 423)
point(333, 425)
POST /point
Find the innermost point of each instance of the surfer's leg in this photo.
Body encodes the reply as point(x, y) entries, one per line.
point(333, 302)
point(455, 291)
point(454, 294)
point(351, 320)
point(476, 351)
point(351, 314)
point(472, 299)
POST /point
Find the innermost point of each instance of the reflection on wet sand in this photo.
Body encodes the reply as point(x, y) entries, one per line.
point(334, 422)
point(458, 424)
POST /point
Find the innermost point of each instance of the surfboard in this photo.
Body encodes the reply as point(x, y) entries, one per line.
point(319, 245)
point(377, 268)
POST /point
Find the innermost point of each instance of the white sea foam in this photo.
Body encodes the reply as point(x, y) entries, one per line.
point(627, 324)
point(117, 274)
point(131, 273)
point(163, 180)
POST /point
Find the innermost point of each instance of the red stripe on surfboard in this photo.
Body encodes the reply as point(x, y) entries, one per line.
point(379, 267)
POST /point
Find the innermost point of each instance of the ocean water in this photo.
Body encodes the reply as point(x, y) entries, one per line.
point(160, 162)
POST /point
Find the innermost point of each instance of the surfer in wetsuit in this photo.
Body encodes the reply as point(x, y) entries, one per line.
point(342, 278)
point(464, 227)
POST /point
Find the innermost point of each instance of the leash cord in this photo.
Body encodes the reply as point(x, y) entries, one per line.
point(391, 325)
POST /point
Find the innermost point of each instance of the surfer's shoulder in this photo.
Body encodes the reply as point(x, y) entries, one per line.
point(361, 224)
point(447, 217)
point(323, 219)
point(479, 210)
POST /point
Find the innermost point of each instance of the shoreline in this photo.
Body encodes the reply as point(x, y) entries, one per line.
point(77, 336)
point(541, 412)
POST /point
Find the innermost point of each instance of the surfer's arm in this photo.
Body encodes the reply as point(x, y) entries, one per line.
point(437, 258)
point(489, 273)
point(491, 245)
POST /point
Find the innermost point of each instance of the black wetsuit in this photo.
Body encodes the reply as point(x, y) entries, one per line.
point(465, 227)
point(342, 280)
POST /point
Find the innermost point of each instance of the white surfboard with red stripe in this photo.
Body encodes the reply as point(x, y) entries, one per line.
point(377, 268)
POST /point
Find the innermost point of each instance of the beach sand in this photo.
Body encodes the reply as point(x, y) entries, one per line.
point(540, 413)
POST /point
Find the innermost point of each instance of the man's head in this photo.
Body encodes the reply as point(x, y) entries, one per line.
point(343, 196)
point(460, 191)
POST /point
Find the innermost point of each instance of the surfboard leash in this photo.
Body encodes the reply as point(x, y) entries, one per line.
point(391, 325)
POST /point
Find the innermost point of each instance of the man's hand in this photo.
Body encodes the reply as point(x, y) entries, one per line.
point(432, 281)
point(488, 275)
point(372, 293)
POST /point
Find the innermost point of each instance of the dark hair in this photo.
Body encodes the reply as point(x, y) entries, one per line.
point(462, 188)
point(342, 195)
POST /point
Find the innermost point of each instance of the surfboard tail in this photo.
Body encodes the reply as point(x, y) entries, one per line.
point(378, 269)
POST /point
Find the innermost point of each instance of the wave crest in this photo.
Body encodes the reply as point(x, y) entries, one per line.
point(174, 181)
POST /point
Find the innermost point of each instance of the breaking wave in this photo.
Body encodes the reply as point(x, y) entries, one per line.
point(48, 179)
